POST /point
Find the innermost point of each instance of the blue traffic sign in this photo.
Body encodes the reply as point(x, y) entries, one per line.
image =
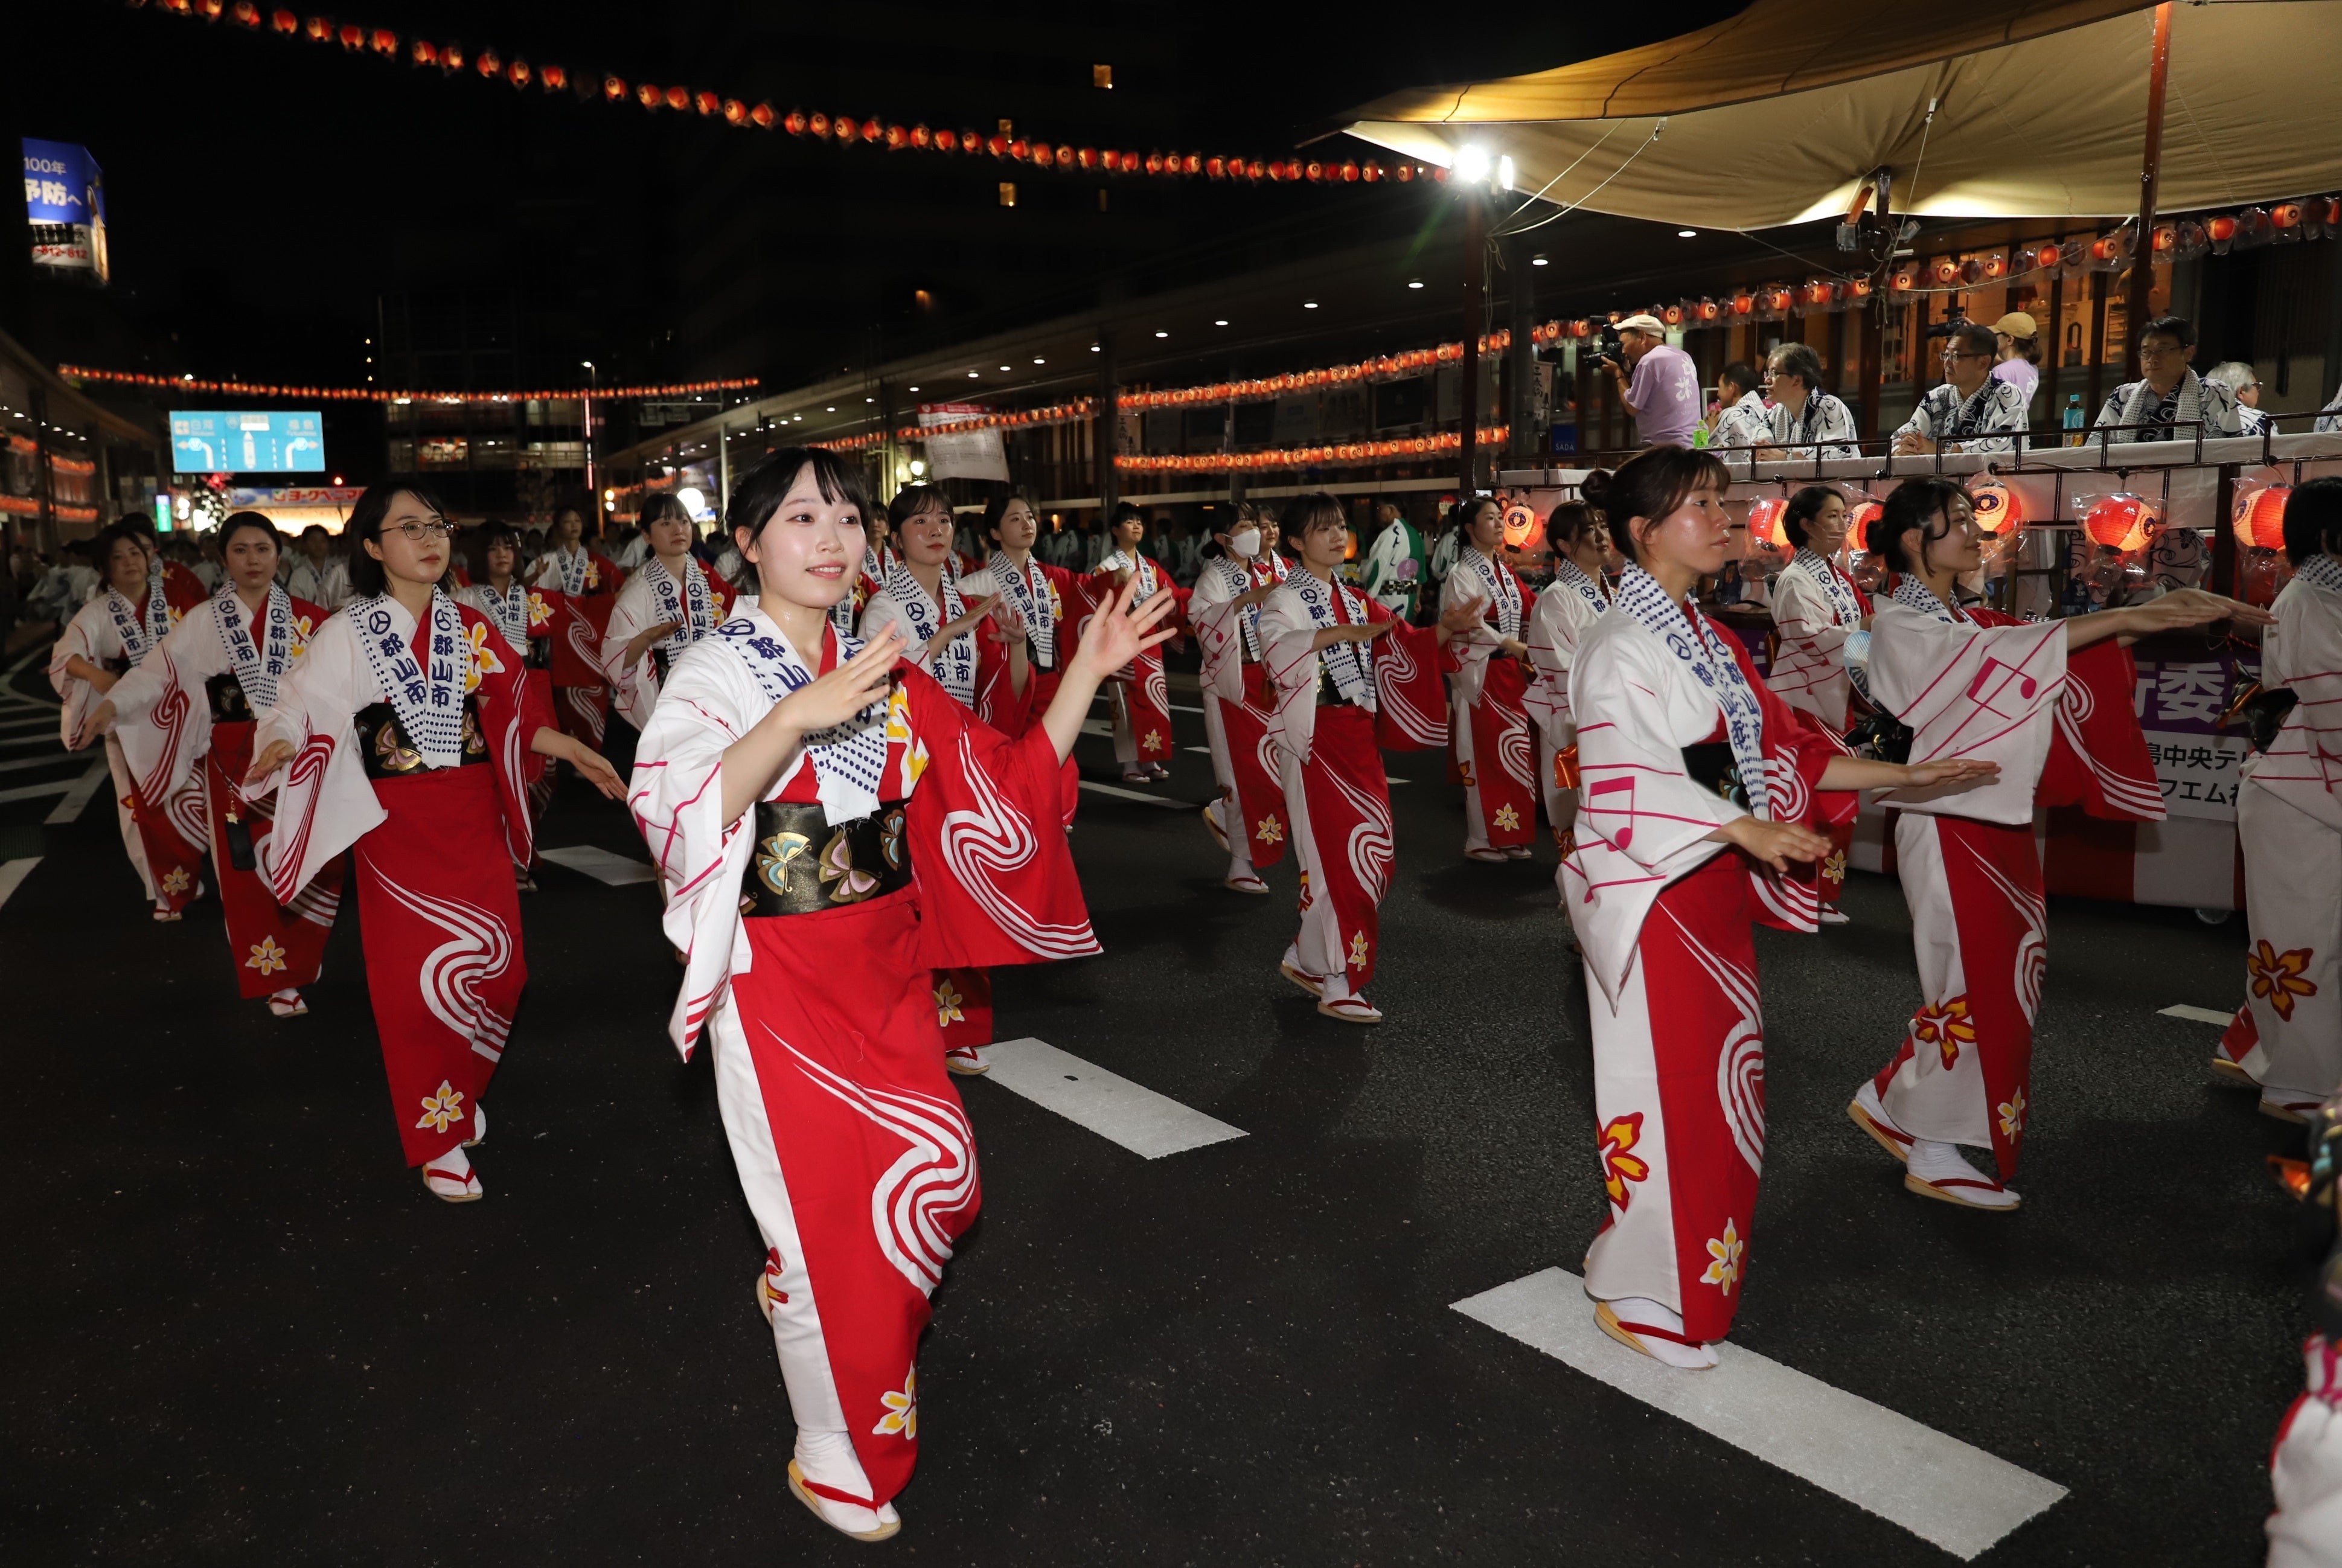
point(209, 442)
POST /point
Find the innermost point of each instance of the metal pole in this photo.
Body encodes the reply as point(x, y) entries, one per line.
point(1520, 358)
point(2150, 168)
point(1475, 245)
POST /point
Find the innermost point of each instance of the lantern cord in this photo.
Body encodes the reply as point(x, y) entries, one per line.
point(1538, 193)
point(1921, 162)
point(1564, 212)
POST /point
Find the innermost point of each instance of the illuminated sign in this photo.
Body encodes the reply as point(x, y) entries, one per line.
point(209, 442)
point(64, 202)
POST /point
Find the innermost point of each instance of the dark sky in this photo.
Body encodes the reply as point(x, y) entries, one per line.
point(264, 194)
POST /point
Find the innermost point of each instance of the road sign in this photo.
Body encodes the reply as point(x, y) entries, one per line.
point(212, 443)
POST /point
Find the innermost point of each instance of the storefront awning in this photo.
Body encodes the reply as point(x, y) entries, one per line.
point(1777, 115)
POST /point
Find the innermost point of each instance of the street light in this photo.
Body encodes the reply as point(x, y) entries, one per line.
point(594, 380)
point(1472, 164)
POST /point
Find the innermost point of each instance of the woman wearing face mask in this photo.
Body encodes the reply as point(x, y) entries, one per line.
point(1032, 596)
point(1351, 679)
point(1697, 790)
point(831, 827)
point(1248, 818)
point(1140, 696)
point(407, 726)
point(163, 833)
point(1490, 725)
point(1818, 611)
point(189, 713)
point(669, 604)
point(1579, 592)
point(2051, 704)
point(580, 584)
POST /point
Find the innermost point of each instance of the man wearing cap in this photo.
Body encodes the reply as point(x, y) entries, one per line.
point(2013, 338)
point(1971, 408)
point(1663, 392)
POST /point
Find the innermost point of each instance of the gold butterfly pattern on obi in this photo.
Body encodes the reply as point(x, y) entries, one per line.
point(854, 883)
point(774, 855)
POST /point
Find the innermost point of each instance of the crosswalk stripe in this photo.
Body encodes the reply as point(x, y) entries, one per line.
point(38, 791)
point(2195, 1015)
point(600, 864)
point(13, 874)
point(1147, 1124)
point(1943, 1491)
point(77, 799)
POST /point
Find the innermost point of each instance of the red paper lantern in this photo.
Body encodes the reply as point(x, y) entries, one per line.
point(2123, 522)
point(556, 78)
point(351, 36)
point(650, 97)
point(1404, 173)
point(2260, 517)
point(517, 73)
point(872, 131)
point(707, 103)
point(1370, 172)
point(285, 22)
point(1191, 164)
point(2048, 256)
point(424, 53)
point(996, 145)
point(613, 90)
point(1995, 505)
point(1765, 520)
point(489, 64)
point(762, 117)
point(1255, 171)
point(319, 29)
point(1858, 519)
point(735, 112)
point(972, 143)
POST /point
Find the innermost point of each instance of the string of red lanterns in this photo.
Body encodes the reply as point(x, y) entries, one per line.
point(1347, 452)
point(1055, 414)
point(378, 395)
point(1381, 368)
point(840, 130)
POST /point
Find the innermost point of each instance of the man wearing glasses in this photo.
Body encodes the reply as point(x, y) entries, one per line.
point(1972, 411)
point(2169, 399)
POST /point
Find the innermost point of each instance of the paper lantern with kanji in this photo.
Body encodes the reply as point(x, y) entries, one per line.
point(1995, 505)
point(2260, 517)
point(2123, 522)
point(1858, 520)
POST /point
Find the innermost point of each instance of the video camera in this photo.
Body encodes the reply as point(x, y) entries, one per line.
point(1606, 348)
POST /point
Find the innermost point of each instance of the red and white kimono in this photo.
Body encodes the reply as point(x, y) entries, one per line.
point(1676, 738)
point(186, 716)
point(163, 834)
point(580, 586)
point(2287, 1035)
point(411, 746)
point(525, 618)
point(1816, 609)
point(1036, 594)
point(910, 840)
point(1240, 711)
point(1139, 694)
point(1976, 684)
point(1334, 712)
point(1565, 612)
point(1491, 723)
point(652, 597)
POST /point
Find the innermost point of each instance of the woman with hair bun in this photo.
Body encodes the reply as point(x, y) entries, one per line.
point(1491, 726)
point(1579, 538)
point(1698, 787)
point(1817, 612)
point(408, 726)
point(189, 712)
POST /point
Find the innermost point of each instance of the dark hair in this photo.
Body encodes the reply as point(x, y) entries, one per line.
point(1804, 507)
point(1742, 374)
point(238, 522)
point(100, 549)
point(496, 531)
point(1651, 484)
point(139, 523)
point(2312, 518)
point(1304, 513)
point(660, 508)
point(1125, 512)
point(367, 575)
point(581, 502)
point(912, 499)
point(758, 493)
point(1912, 505)
point(318, 531)
point(1798, 359)
point(1460, 514)
point(2178, 328)
point(1568, 522)
point(1976, 338)
point(997, 507)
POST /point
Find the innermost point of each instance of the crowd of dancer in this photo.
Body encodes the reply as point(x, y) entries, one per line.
point(853, 772)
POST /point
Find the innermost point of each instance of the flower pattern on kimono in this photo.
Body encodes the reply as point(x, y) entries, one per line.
point(1618, 1166)
point(1359, 952)
point(303, 630)
point(947, 1005)
point(1723, 1259)
point(1834, 867)
point(1152, 743)
point(1465, 769)
point(484, 657)
point(898, 731)
point(1947, 1027)
point(175, 880)
point(539, 611)
point(441, 1110)
point(266, 956)
point(2280, 977)
point(1270, 830)
point(1301, 906)
point(902, 1409)
point(1508, 818)
point(2011, 1116)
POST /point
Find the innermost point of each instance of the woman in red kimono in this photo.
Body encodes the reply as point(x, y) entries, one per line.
point(190, 710)
point(1033, 597)
point(1351, 678)
point(1817, 610)
point(522, 614)
point(1239, 701)
point(580, 584)
point(1698, 788)
point(1140, 696)
point(2051, 704)
point(408, 726)
point(163, 834)
point(670, 603)
point(1494, 749)
point(831, 827)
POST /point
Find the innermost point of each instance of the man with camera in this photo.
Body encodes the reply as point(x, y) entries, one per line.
point(1663, 390)
point(1971, 410)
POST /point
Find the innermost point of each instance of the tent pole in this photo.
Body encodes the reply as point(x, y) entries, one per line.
point(2142, 254)
point(1474, 267)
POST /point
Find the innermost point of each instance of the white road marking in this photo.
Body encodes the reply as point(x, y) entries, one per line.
point(15, 765)
point(13, 874)
point(77, 798)
point(1388, 779)
point(1940, 1489)
point(28, 721)
point(1183, 708)
point(1147, 1124)
point(602, 866)
point(2195, 1015)
point(1120, 793)
point(38, 791)
point(1201, 751)
point(1098, 727)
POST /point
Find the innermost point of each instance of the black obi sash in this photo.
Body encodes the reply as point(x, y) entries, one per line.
point(387, 753)
point(802, 864)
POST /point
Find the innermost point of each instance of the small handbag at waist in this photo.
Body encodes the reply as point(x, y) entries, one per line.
point(802, 864)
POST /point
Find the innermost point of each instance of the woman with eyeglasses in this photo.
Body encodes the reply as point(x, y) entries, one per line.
point(581, 585)
point(831, 827)
point(1579, 537)
point(2050, 705)
point(164, 830)
point(670, 603)
point(1490, 725)
point(186, 714)
point(1971, 410)
point(403, 735)
point(1140, 698)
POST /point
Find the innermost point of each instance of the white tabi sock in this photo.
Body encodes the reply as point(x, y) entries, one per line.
point(1632, 1310)
point(1933, 1161)
point(828, 1457)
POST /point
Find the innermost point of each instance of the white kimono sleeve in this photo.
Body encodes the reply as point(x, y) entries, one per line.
point(1286, 636)
point(2303, 652)
point(1809, 672)
point(1473, 649)
point(1211, 610)
point(635, 691)
point(89, 635)
point(324, 803)
point(161, 711)
point(1969, 691)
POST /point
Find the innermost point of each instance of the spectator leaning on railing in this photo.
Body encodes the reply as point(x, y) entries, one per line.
point(2168, 394)
point(2245, 383)
point(1663, 394)
point(1973, 410)
point(1807, 421)
point(1741, 418)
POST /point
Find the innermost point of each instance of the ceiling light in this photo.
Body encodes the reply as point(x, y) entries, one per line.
point(869, 399)
point(1094, 348)
point(1686, 233)
point(971, 375)
point(831, 409)
point(1309, 305)
point(1472, 164)
point(1415, 283)
point(915, 389)
point(1163, 335)
point(1219, 324)
point(1003, 367)
point(1537, 260)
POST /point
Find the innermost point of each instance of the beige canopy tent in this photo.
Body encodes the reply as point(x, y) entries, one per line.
point(1779, 114)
